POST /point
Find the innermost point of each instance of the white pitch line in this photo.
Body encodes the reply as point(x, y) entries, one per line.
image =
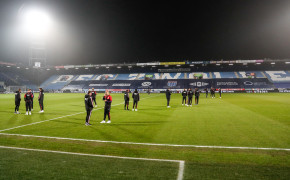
point(180, 169)
point(150, 144)
point(57, 118)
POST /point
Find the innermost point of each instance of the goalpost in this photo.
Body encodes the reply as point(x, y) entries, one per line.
point(15, 88)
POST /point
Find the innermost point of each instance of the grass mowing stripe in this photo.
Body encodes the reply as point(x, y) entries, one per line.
point(58, 118)
point(152, 144)
point(180, 169)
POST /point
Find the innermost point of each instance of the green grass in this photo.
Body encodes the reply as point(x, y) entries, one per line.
point(21, 164)
point(247, 120)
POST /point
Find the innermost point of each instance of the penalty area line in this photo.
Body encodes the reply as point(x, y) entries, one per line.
point(151, 144)
point(58, 117)
point(180, 162)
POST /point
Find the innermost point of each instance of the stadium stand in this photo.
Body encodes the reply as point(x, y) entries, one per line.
point(80, 79)
point(258, 79)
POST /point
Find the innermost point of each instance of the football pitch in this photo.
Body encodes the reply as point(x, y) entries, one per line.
point(238, 136)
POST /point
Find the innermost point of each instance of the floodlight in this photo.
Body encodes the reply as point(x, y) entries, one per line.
point(35, 21)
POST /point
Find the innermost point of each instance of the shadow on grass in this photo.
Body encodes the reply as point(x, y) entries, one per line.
point(13, 119)
point(67, 122)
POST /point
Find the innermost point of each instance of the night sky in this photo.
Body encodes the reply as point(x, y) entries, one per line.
point(117, 31)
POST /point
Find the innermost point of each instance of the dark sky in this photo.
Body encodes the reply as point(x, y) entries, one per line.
point(116, 31)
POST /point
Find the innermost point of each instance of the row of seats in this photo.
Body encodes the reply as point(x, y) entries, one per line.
point(272, 75)
point(16, 79)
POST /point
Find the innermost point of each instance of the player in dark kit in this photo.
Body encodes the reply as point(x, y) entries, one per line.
point(220, 92)
point(190, 95)
point(168, 95)
point(89, 107)
point(108, 101)
point(32, 101)
point(206, 92)
point(40, 100)
point(28, 101)
point(148, 91)
point(212, 92)
point(94, 94)
point(126, 99)
point(136, 98)
point(17, 101)
point(184, 94)
point(196, 93)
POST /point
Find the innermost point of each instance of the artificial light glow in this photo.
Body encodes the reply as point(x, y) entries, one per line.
point(272, 63)
point(86, 68)
point(231, 64)
point(48, 69)
point(26, 68)
point(287, 62)
point(8, 66)
point(76, 68)
point(18, 67)
point(118, 67)
point(191, 65)
point(35, 21)
point(218, 64)
point(178, 65)
point(107, 67)
point(153, 66)
point(258, 63)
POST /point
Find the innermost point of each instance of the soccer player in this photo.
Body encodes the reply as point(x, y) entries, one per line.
point(89, 107)
point(190, 95)
point(28, 101)
point(206, 92)
point(184, 94)
point(212, 92)
point(32, 100)
point(136, 98)
point(220, 91)
point(40, 100)
point(168, 95)
point(108, 101)
point(126, 99)
point(196, 93)
point(94, 94)
point(17, 101)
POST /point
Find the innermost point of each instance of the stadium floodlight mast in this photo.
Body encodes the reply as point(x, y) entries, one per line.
point(35, 24)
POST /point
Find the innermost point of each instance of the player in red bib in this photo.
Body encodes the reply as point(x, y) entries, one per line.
point(108, 101)
point(28, 101)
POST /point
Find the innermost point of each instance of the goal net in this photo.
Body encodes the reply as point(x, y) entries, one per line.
point(15, 88)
